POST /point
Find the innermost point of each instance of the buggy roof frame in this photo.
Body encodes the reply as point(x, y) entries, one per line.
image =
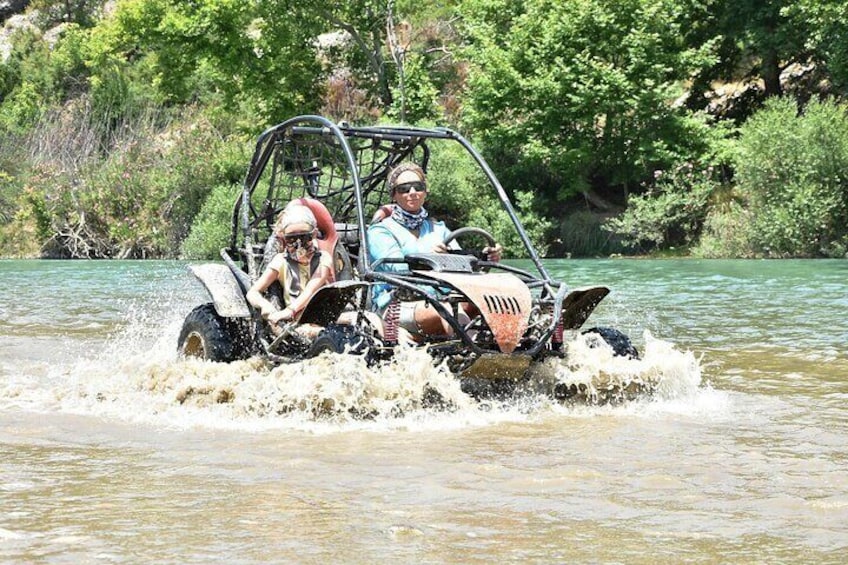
point(341, 134)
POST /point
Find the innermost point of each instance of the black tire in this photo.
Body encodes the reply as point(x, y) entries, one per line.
point(338, 338)
point(620, 343)
point(207, 335)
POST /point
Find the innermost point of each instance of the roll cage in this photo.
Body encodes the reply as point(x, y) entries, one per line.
point(345, 168)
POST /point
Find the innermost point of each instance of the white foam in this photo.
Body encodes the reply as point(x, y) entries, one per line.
point(131, 380)
point(592, 372)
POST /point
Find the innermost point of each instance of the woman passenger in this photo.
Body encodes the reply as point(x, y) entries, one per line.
point(300, 268)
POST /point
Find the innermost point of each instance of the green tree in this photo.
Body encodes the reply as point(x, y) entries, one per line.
point(757, 40)
point(365, 24)
point(791, 169)
point(575, 94)
point(672, 211)
point(826, 29)
point(82, 12)
point(253, 57)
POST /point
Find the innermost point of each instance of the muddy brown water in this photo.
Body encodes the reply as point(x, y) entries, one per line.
point(114, 451)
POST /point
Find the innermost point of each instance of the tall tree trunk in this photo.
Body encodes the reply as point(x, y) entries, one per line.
point(771, 72)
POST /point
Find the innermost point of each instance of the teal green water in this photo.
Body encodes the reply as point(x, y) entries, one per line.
point(725, 304)
point(114, 451)
point(799, 305)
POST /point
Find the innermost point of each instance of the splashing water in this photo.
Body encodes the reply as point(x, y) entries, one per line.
point(591, 372)
point(129, 380)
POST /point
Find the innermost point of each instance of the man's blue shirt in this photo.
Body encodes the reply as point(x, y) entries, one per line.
point(389, 239)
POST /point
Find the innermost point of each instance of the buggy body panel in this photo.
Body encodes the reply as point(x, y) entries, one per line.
point(502, 299)
point(223, 287)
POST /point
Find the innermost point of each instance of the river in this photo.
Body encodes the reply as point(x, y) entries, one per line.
point(114, 451)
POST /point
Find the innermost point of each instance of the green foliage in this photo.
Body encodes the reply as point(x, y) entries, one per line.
point(827, 25)
point(489, 215)
point(21, 110)
point(580, 89)
point(238, 53)
point(9, 188)
point(727, 232)
point(211, 229)
point(754, 37)
point(416, 102)
point(582, 234)
point(78, 11)
point(23, 224)
point(37, 77)
point(66, 63)
point(23, 82)
point(140, 199)
point(673, 210)
point(791, 168)
point(535, 224)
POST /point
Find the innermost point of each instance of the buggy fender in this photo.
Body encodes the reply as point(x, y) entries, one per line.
point(330, 302)
point(502, 298)
point(579, 304)
point(224, 289)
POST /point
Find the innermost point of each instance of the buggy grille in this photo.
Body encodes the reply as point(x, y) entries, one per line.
point(502, 304)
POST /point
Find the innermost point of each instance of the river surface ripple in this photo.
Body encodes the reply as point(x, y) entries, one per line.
point(114, 451)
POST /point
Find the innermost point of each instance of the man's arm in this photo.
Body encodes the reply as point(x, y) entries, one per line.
point(382, 244)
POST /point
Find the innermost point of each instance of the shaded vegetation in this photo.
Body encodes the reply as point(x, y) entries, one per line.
point(713, 126)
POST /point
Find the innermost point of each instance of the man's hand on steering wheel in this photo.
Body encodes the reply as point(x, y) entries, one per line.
point(493, 250)
point(493, 253)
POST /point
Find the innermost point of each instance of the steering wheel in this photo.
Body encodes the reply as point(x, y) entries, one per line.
point(490, 240)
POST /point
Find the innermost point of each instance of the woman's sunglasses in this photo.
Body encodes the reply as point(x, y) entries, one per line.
point(406, 187)
point(292, 239)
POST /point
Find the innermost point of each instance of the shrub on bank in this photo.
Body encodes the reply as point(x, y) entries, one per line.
point(582, 234)
point(135, 199)
point(211, 229)
point(726, 233)
point(792, 169)
point(672, 212)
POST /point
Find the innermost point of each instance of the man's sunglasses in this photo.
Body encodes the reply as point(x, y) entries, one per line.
point(291, 239)
point(406, 187)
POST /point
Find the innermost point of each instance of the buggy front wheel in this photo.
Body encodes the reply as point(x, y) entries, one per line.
point(207, 335)
point(337, 338)
point(617, 340)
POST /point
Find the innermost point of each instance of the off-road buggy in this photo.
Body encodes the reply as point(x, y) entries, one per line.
point(340, 171)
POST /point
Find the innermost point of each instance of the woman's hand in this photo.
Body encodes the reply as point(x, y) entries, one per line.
point(284, 315)
point(493, 253)
point(440, 248)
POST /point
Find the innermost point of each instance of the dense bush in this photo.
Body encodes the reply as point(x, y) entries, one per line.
point(582, 234)
point(579, 91)
point(211, 229)
point(792, 169)
point(726, 233)
point(140, 198)
point(672, 211)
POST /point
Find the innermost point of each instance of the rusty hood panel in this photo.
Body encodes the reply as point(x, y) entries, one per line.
point(502, 298)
